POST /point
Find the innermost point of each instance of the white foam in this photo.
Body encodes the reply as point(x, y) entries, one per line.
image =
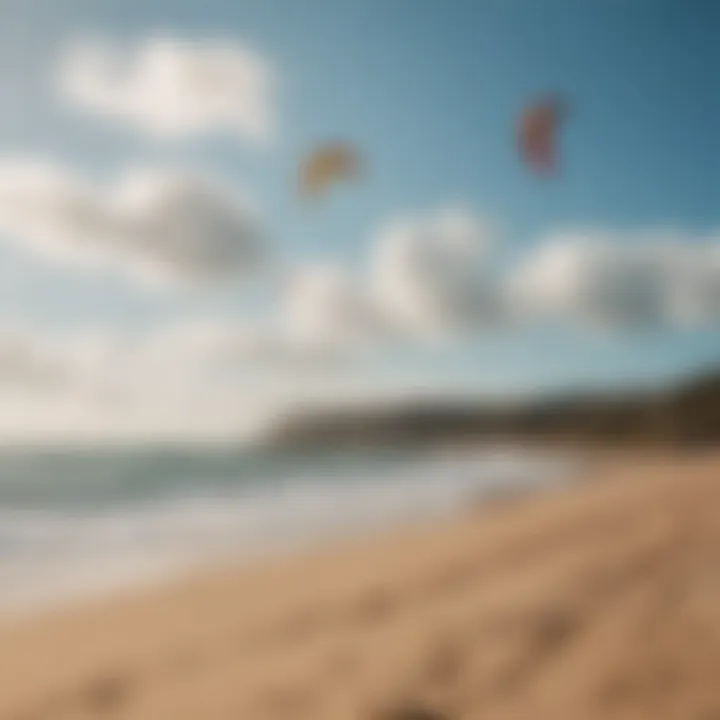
point(52, 555)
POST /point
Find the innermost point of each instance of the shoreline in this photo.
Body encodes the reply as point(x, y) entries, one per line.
point(239, 642)
point(440, 485)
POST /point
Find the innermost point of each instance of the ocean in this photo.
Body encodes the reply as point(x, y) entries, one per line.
point(77, 522)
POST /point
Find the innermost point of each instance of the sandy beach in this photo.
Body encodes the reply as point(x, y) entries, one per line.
point(601, 600)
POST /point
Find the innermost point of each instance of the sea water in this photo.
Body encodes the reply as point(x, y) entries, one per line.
point(76, 521)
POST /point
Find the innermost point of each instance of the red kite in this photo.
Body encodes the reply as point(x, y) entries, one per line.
point(537, 134)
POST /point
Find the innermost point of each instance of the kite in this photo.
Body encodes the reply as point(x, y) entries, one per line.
point(326, 165)
point(537, 134)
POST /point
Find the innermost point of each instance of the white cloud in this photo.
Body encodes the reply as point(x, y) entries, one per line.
point(171, 88)
point(198, 377)
point(158, 225)
point(324, 307)
point(430, 274)
point(694, 288)
point(428, 278)
point(606, 280)
point(222, 349)
point(29, 362)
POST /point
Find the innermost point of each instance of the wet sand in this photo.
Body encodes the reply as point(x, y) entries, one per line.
point(596, 601)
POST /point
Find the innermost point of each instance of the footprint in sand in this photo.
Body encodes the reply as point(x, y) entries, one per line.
point(283, 702)
point(376, 605)
point(410, 712)
point(342, 663)
point(444, 662)
point(108, 693)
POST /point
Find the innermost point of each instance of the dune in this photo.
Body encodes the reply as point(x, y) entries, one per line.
point(598, 600)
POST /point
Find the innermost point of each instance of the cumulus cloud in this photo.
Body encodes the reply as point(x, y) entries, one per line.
point(694, 288)
point(221, 348)
point(427, 278)
point(29, 362)
point(172, 89)
point(210, 376)
point(430, 273)
point(156, 224)
point(606, 281)
point(437, 277)
point(117, 404)
point(324, 307)
point(200, 377)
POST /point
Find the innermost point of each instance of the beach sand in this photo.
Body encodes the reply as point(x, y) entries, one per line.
point(601, 600)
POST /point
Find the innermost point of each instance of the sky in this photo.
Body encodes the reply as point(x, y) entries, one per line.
point(159, 275)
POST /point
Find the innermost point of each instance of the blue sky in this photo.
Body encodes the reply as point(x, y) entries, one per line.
point(430, 91)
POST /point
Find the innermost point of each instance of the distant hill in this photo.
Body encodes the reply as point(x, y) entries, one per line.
point(685, 414)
